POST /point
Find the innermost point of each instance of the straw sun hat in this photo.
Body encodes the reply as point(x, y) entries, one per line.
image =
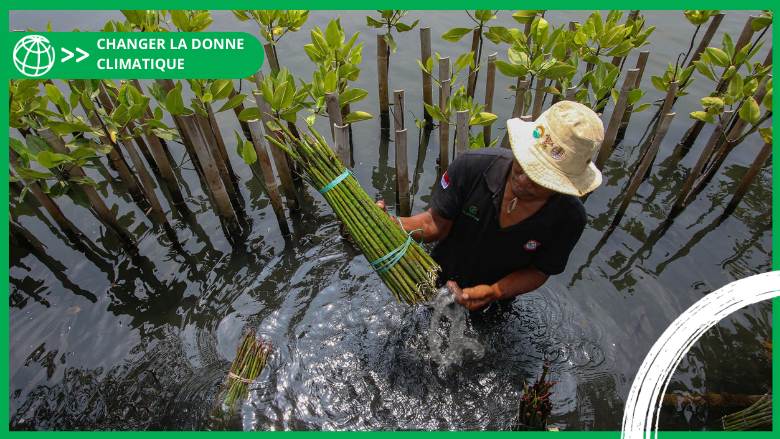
point(557, 149)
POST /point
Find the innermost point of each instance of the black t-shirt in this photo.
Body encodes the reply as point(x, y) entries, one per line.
point(477, 250)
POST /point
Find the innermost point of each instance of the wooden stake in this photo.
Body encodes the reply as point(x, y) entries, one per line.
point(473, 72)
point(705, 41)
point(221, 143)
point(381, 65)
point(148, 184)
point(342, 145)
point(538, 98)
point(238, 110)
point(522, 87)
point(754, 169)
point(682, 197)
point(47, 202)
point(402, 172)
point(444, 129)
point(213, 179)
point(425, 49)
point(462, 132)
point(489, 92)
point(663, 128)
point(216, 158)
point(279, 156)
point(398, 109)
point(334, 110)
point(617, 116)
point(268, 175)
point(746, 35)
point(640, 65)
point(270, 55)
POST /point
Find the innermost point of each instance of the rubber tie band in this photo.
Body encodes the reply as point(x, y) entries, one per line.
point(243, 380)
point(389, 260)
point(336, 181)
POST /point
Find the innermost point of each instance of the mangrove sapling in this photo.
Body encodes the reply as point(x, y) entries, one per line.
point(481, 30)
point(407, 270)
point(390, 19)
point(274, 24)
point(159, 21)
point(337, 62)
point(249, 363)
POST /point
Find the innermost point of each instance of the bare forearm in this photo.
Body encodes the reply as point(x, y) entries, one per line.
point(434, 227)
point(520, 282)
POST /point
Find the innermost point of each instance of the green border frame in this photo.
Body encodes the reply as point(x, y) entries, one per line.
point(356, 5)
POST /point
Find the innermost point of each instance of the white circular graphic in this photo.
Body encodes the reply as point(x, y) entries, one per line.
point(33, 55)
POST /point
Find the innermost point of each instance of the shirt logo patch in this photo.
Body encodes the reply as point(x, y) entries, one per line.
point(445, 181)
point(472, 212)
point(531, 245)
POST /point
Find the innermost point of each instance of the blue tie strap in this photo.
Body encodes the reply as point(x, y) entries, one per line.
point(389, 260)
point(336, 181)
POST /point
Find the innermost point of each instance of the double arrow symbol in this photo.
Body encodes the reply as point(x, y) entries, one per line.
point(70, 54)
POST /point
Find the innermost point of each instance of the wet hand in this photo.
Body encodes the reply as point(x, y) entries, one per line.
point(473, 298)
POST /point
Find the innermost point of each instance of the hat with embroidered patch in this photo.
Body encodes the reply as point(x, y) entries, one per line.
point(556, 151)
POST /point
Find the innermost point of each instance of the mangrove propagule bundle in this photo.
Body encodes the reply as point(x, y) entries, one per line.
point(535, 405)
point(249, 363)
point(756, 417)
point(407, 270)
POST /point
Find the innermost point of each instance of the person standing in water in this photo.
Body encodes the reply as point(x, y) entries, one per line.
point(506, 220)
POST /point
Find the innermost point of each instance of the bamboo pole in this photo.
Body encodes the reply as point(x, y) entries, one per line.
point(381, 65)
point(473, 72)
point(168, 85)
point(425, 51)
point(164, 166)
point(755, 167)
point(270, 55)
point(746, 35)
point(617, 116)
point(279, 156)
point(334, 110)
point(342, 145)
point(402, 172)
point(462, 132)
point(682, 197)
point(131, 127)
point(237, 110)
point(640, 65)
point(570, 92)
point(268, 175)
point(398, 109)
point(213, 179)
point(216, 158)
point(663, 128)
point(102, 211)
point(522, 88)
point(47, 202)
point(148, 184)
point(705, 41)
point(221, 143)
point(539, 95)
point(490, 87)
point(444, 129)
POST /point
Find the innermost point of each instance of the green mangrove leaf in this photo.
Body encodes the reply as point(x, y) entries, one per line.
point(357, 116)
point(248, 153)
point(251, 113)
point(750, 110)
point(454, 35)
point(703, 116)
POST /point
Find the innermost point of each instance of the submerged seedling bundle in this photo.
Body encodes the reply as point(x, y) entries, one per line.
point(535, 405)
point(250, 361)
point(401, 263)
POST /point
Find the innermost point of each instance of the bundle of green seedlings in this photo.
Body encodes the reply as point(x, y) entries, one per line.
point(756, 417)
point(249, 363)
point(410, 275)
point(535, 405)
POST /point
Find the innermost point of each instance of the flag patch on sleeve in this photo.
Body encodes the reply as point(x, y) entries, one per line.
point(445, 181)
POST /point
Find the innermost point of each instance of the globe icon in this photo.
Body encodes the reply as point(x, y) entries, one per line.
point(33, 55)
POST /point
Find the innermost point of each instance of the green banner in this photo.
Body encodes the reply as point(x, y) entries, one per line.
point(157, 55)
